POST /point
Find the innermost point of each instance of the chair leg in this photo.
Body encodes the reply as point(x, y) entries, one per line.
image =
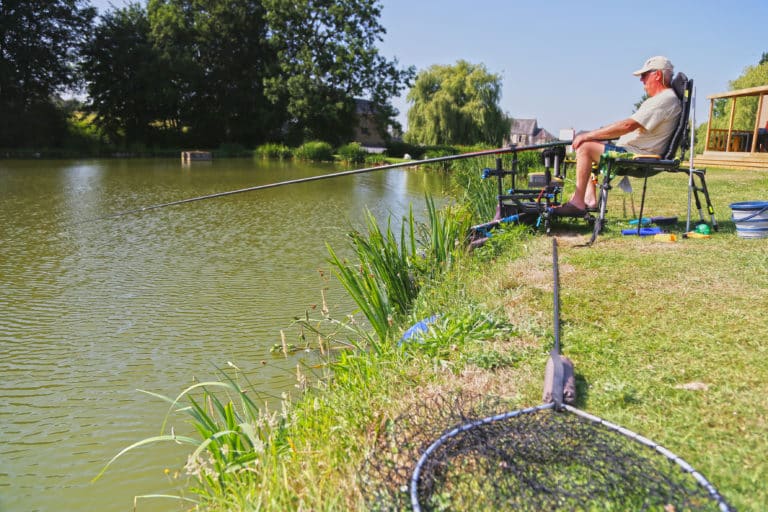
point(602, 207)
point(703, 189)
point(642, 202)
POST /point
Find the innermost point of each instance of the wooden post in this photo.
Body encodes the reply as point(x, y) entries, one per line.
point(709, 124)
point(730, 125)
point(757, 122)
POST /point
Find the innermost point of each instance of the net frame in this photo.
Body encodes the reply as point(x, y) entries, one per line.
point(684, 466)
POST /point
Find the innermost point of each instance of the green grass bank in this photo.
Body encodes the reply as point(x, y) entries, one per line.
point(669, 339)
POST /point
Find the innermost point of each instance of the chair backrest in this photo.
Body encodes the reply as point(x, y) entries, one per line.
point(683, 87)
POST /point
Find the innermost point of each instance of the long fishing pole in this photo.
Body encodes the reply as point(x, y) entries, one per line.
point(408, 163)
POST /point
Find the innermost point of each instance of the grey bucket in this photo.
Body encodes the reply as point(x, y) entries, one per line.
point(751, 219)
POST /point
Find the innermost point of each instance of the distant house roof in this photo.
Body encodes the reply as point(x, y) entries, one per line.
point(527, 131)
point(524, 127)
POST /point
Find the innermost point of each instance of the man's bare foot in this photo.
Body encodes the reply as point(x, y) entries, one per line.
point(569, 209)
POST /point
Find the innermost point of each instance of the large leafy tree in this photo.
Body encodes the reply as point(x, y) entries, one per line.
point(128, 81)
point(456, 105)
point(219, 57)
point(39, 45)
point(746, 108)
point(327, 56)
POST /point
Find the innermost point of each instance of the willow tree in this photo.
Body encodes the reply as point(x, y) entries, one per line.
point(456, 104)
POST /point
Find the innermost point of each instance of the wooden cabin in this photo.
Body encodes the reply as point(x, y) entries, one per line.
point(737, 148)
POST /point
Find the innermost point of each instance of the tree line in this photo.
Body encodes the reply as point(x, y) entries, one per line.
point(170, 73)
point(198, 72)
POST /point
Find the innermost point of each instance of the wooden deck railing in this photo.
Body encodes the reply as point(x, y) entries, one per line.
point(740, 140)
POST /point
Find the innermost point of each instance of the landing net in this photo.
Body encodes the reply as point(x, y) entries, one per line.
point(465, 453)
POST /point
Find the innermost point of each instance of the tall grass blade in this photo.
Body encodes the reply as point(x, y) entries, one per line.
point(144, 442)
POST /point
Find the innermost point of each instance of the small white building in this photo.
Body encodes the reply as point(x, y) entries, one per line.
point(567, 134)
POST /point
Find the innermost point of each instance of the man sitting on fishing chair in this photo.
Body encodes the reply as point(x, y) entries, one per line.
point(646, 132)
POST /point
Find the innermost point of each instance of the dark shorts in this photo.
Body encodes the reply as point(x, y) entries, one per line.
point(613, 147)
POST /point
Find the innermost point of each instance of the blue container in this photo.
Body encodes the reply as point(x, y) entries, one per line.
point(750, 218)
point(643, 231)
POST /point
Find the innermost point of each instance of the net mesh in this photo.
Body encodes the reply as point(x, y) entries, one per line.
point(540, 459)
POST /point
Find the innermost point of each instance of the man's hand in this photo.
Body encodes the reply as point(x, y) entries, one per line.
point(579, 140)
point(609, 132)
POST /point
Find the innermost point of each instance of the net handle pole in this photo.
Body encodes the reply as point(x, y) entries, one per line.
point(556, 273)
point(558, 370)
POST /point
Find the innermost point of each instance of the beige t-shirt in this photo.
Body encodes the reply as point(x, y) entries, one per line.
point(658, 116)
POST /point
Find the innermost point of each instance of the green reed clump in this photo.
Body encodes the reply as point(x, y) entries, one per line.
point(478, 195)
point(273, 151)
point(375, 159)
point(232, 434)
point(445, 235)
point(314, 151)
point(382, 282)
point(386, 279)
point(352, 153)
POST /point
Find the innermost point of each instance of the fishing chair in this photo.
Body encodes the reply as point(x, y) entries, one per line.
point(645, 166)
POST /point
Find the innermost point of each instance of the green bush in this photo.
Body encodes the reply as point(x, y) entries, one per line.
point(438, 151)
point(315, 151)
point(83, 134)
point(398, 149)
point(273, 151)
point(352, 153)
point(375, 159)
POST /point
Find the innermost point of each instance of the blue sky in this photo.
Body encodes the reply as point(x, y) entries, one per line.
point(569, 64)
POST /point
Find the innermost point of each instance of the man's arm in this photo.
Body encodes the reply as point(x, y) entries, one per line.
point(609, 132)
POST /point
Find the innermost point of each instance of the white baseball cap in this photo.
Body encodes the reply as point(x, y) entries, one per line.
point(653, 64)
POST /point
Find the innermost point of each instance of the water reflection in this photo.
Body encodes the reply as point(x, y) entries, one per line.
point(94, 310)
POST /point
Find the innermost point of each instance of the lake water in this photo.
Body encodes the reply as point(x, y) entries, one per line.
point(91, 311)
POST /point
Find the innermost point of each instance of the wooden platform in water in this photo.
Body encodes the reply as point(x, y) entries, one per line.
point(196, 156)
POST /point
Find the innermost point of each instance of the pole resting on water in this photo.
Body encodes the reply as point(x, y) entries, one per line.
point(408, 163)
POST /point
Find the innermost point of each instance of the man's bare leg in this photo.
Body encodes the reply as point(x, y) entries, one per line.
point(587, 155)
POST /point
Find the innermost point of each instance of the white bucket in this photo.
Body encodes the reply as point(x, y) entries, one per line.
point(751, 219)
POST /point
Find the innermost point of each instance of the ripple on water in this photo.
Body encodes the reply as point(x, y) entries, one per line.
point(94, 311)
